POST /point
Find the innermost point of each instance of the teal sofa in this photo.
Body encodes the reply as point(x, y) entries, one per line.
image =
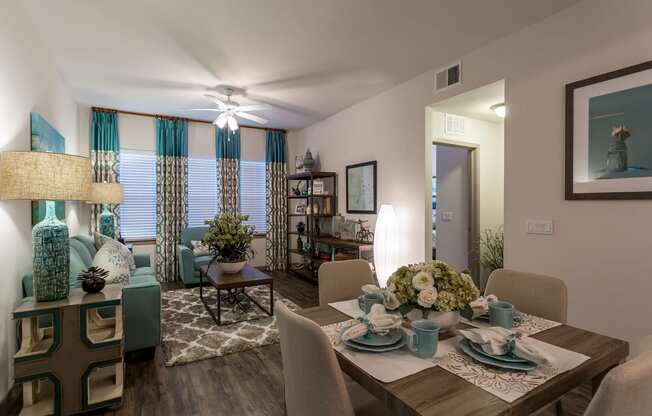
point(189, 264)
point(141, 299)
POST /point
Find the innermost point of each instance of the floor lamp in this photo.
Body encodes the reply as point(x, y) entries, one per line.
point(385, 244)
point(50, 177)
point(106, 194)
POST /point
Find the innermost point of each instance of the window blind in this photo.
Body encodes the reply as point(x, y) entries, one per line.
point(253, 193)
point(138, 207)
point(202, 190)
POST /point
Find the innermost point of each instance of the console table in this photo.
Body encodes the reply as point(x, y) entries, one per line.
point(70, 356)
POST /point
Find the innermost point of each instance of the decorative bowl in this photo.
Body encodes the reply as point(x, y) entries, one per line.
point(93, 285)
point(232, 267)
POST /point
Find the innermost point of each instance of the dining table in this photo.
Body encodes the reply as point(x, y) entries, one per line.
point(435, 391)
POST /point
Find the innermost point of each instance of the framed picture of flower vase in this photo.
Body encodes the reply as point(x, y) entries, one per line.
point(609, 135)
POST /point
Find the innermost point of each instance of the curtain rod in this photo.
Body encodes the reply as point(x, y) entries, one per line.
point(134, 113)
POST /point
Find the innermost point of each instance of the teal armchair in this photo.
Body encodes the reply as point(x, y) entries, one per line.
point(141, 299)
point(189, 264)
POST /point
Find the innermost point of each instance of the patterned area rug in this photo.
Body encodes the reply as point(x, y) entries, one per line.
point(190, 334)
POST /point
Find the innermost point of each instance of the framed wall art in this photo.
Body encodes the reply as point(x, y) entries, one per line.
point(609, 135)
point(361, 188)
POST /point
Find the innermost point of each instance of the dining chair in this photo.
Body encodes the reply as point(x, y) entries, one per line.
point(314, 383)
point(342, 280)
point(626, 390)
point(535, 294)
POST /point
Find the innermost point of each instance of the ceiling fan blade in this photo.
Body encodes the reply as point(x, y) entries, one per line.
point(253, 107)
point(251, 117)
point(203, 109)
point(216, 100)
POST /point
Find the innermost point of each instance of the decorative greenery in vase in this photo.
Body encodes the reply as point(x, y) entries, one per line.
point(430, 286)
point(492, 245)
point(229, 238)
point(93, 279)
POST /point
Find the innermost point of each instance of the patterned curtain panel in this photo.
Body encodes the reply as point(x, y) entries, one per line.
point(105, 159)
point(276, 187)
point(227, 148)
point(171, 194)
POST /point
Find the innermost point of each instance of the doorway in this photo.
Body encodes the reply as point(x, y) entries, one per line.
point(454, 214)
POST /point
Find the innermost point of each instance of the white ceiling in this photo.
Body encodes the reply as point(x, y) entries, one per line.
point(309, 58)
point(476, 103)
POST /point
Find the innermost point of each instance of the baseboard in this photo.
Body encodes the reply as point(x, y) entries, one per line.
point(11, 404)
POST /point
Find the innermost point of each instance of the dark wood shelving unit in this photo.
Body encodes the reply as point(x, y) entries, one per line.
point(309, 260)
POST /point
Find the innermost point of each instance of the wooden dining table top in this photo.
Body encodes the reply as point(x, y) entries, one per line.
point(437, 392)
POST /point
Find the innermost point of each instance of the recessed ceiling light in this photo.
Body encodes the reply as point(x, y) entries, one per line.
point(499, 109)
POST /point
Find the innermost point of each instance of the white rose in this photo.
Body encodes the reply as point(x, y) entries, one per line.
point(422, 280)
point(427, 297)
point(391, 301)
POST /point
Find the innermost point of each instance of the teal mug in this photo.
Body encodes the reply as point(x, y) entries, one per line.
point(501, 314)
point(425, 339)
point(366, 301)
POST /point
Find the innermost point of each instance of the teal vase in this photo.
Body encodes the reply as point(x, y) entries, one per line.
point(617, 156)
point(107, 222)
point(51, 257)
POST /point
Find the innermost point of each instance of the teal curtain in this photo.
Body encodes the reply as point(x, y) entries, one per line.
point(105, 160)
point(276, 194)
point(171, 193)
point(227, 149)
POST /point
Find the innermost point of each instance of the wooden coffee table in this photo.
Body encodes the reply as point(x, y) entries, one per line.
point(235, 285)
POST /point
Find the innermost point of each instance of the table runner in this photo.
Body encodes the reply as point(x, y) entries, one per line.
point(527, 325)
point(348, 307)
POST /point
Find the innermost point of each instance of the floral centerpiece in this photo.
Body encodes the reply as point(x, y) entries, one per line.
point(430, 287)
point(229, 240)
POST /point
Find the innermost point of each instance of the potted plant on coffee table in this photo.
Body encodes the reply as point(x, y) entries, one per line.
point(229, 240)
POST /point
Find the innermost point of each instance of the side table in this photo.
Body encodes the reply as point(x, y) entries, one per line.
point(70, 355)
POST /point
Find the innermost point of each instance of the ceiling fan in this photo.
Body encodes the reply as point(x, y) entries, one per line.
point(230, 109)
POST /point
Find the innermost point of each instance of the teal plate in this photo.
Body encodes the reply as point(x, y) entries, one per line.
point(510, 358)
point(368, 348)
point(375, 340)
point(464, 344)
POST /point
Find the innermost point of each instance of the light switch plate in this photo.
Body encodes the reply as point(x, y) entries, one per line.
point(447, 216)
point(539, 227)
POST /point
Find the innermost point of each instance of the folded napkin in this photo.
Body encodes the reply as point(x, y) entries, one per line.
point(480, 306)
point(377, 321)
point(498, 341)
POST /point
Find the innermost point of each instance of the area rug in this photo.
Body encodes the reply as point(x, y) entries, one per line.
point(190, 333)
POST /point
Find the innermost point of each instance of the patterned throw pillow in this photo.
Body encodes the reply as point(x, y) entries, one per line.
point(110, 257)
point(101, 239)
point(199, 248)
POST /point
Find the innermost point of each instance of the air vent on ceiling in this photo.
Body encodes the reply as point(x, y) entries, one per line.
point(454, 124)
point(449, 76)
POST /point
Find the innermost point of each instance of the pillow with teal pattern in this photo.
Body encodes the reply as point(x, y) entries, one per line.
point(100, 239)
point(110, 257)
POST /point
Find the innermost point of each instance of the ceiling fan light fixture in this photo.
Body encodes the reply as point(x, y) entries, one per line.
point(221, 120)
point(233, 123)
point(499, 109)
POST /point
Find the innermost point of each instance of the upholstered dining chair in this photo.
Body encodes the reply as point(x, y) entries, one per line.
point(314, 383)
point(626, 390)
point(539, 295)
point(342, 280)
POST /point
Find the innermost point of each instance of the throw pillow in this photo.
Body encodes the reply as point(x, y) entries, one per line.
point(101, 239)
point(199, 248)
point(110, 257)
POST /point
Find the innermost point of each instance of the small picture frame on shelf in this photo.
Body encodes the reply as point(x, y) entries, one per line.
point(318, 187)
point(300, 208)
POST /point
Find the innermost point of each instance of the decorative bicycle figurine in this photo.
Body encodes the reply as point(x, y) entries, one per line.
point(364, 235)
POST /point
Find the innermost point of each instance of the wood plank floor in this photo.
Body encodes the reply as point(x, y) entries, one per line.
point(247, 383)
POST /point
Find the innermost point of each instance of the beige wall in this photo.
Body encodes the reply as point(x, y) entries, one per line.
point(28, 82)
point(600, 248)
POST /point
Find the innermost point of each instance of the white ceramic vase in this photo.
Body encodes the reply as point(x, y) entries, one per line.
point(232, 268)
point(445, 320)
